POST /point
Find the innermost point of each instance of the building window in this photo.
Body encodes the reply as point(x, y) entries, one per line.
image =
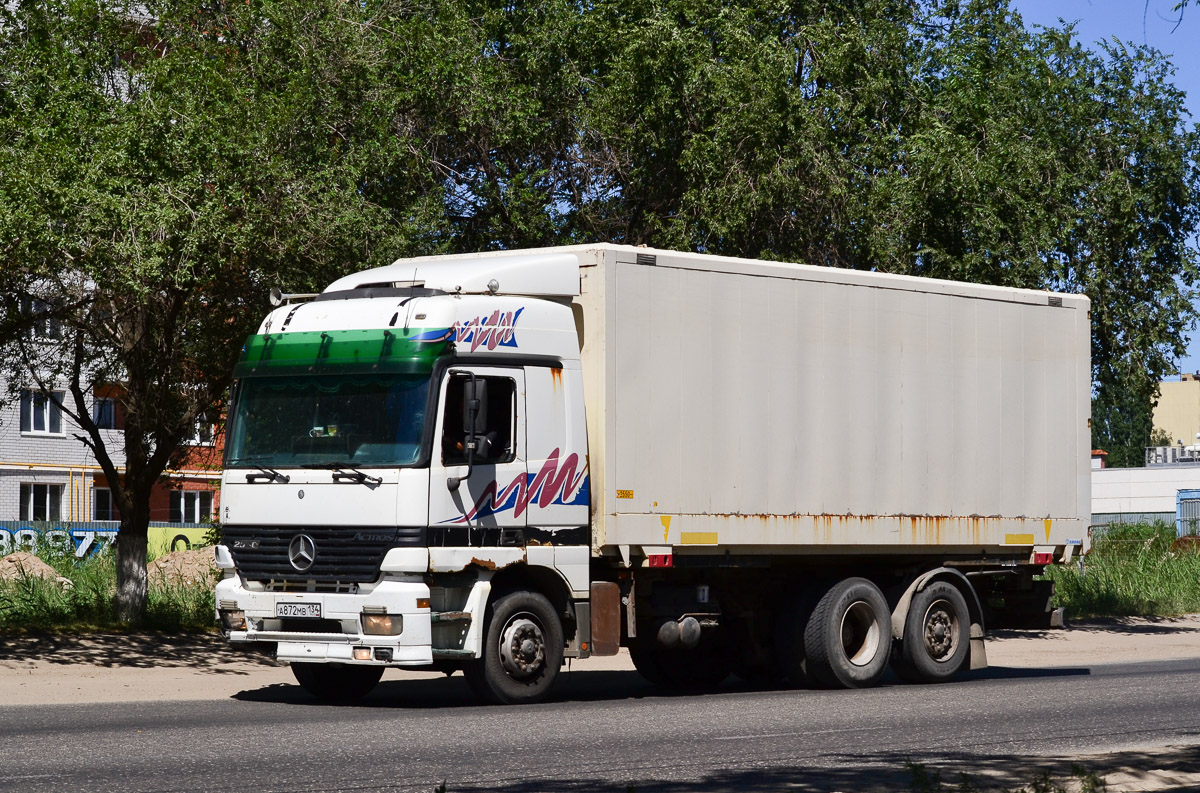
point(202, 433)
point(191, 506)
point(41, 412)
point(42, 324)
point(41, 502)
point(103, 507)
point(104, 413)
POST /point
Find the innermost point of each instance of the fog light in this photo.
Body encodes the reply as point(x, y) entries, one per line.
point(233, 620)
point(382, 624)
point(362, 653)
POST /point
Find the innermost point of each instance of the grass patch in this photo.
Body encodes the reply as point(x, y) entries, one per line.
point(1132, 570)
point(37, 605)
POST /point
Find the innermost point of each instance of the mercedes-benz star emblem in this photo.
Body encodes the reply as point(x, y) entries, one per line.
point(302, 552)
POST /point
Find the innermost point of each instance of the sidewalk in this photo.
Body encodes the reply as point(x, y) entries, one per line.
point(50, 670)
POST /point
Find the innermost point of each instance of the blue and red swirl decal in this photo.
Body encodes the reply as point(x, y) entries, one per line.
point(563, 485)
point(499, 329)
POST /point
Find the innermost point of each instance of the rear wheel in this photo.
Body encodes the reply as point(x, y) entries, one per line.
point(936, 639)
point(522, 651)
point(848, 636)
point(337, 682)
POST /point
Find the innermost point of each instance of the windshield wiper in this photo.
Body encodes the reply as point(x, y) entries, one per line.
point(269, 474)
point(345, 472)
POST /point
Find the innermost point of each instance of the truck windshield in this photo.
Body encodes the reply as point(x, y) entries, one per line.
point(328, 419)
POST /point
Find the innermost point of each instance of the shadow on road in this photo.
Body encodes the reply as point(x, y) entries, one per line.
point(199, 651)
point(1018, 673)
point(436, 691)
point(1157, 769)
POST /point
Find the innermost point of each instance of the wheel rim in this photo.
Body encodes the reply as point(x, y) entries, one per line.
point(860, 633)
point(522, 647)
point(940, 629)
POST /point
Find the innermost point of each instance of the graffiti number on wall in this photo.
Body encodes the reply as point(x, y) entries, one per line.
point(84, 541)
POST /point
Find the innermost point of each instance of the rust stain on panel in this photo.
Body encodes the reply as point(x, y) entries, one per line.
point(916, 529)
point(490, 564)
point(556, 378)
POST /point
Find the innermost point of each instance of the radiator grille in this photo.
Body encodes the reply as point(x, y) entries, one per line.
point(343, 553)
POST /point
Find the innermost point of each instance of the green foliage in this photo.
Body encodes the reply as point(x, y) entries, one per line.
point(1134, 569)
point(85, 602)
point(162, 170)
point(938, 139)
point(165, 168)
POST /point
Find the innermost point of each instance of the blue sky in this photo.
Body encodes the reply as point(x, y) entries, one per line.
point(1137, 22)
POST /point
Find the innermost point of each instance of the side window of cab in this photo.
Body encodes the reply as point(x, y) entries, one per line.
point(500, 413)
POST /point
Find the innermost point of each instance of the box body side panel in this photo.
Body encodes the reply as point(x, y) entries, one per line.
point(748, 411)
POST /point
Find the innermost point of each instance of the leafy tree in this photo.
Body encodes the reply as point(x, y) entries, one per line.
point(161, 172)
point(162, 169)
point(937, 139)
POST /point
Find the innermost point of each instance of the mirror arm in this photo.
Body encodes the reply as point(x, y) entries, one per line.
point(454, 481)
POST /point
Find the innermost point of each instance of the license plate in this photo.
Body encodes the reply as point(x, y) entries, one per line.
point(298, 610)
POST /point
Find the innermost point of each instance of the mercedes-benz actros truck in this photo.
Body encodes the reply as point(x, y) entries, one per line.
point(495, 462)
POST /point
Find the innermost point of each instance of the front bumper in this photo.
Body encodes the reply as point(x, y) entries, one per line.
point(339, 632)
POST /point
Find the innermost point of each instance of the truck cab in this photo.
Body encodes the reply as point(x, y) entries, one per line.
point(384, 484)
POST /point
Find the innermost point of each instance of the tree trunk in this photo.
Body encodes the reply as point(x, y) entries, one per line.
point(131, 568)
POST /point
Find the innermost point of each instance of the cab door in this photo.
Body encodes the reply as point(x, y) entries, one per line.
point(490, 498)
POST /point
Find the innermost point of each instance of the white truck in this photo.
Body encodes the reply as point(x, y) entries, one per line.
point(495, 462)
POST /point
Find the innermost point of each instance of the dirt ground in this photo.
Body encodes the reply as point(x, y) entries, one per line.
point(44, 670)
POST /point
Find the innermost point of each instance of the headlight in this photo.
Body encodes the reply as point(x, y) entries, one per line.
point(383, 624)
point(233, 620)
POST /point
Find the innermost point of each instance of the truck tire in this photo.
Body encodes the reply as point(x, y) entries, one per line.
point(936, 639)
point(847, 640)
point(522, 651)
point(337, 682)
point(647, 660)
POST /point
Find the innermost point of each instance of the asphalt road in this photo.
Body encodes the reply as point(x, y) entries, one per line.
point(607, 731)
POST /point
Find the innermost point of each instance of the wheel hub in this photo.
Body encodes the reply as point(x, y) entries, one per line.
point(522, 648)
point(860, 634)
point(939, 633)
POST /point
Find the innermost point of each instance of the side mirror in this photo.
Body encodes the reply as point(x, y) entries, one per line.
point(476, 442)
point(475, 407)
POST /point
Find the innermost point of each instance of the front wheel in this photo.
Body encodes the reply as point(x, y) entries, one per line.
point(337, 682)
point(522, 651)
point(936, 639)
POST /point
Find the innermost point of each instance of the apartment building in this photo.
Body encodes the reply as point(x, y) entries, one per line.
point(50, 481)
